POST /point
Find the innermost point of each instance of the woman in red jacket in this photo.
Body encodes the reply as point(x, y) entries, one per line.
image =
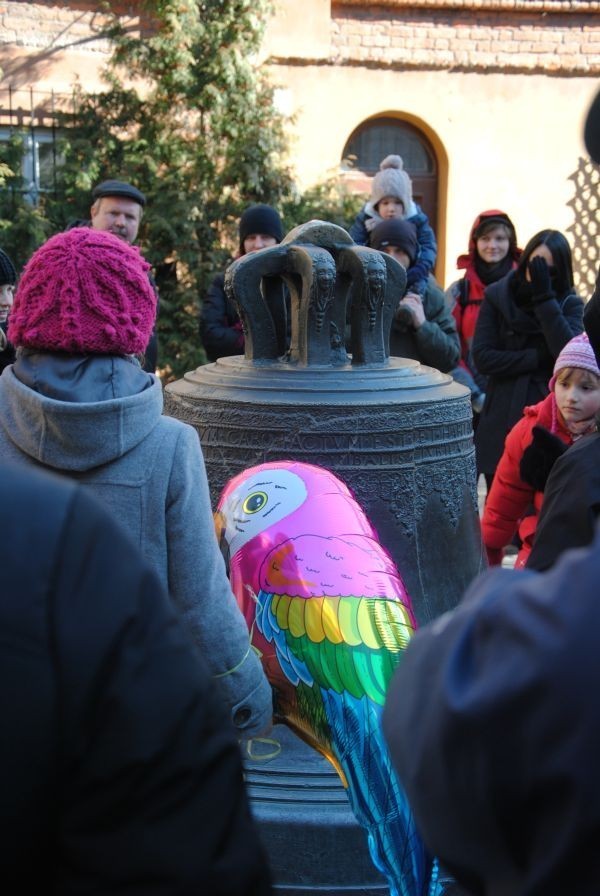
point(533, 444)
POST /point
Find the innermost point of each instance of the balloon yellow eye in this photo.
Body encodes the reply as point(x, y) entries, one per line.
point(254, 502)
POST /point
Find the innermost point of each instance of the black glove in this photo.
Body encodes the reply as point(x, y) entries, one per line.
point(541, 281)
point(403, 319)
point(539, 457)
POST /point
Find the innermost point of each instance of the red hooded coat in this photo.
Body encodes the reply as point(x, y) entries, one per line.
point(468, 292)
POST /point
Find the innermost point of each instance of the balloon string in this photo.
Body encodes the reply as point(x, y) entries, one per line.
point(235, 668)
point(250, 645)
point(254, 597)
point(259, 756)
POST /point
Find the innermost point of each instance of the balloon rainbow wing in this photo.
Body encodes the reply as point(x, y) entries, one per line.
point(340, 653)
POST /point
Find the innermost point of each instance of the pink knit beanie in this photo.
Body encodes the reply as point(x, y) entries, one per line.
point(577, 353)
point(84, 291)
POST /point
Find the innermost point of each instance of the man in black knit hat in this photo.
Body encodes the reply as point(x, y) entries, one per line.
point(423, 327)
point(221, 332)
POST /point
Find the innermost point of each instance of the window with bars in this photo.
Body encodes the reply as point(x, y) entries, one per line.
point(374, 140)
point(39, 161)
point(29, 139)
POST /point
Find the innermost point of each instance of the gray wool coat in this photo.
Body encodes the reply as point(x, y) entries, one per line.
point(98, 420)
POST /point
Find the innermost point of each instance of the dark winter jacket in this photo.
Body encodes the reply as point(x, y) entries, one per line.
point(516, 349)
point(436, 342)
point(417, 277)
point(571, 504)
point(220, 326)
point(513, 504)
point(591, 319)
point(494, 726)
point(119, 770)
point(7, 349)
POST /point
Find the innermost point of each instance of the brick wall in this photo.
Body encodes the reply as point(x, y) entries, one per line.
point(397, 34)
point(36, 39)
point(52, 26)
point(409, 37)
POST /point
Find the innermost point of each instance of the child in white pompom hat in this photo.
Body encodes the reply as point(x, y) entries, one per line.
point(391, 197)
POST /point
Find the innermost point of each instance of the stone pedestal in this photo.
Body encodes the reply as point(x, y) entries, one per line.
point(309, 832)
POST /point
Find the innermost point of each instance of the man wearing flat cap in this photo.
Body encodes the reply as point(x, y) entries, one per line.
point(118, 209)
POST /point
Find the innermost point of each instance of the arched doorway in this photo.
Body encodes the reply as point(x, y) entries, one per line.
point(377, 138)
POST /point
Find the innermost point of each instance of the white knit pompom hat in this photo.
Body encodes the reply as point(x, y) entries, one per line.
point(392, 180)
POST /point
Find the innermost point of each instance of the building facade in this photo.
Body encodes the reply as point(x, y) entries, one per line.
point(487, 99)
point(484, 99)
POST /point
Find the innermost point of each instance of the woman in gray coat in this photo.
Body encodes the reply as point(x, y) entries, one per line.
point(77, 401)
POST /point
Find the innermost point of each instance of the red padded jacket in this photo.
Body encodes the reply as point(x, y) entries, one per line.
point(512, 504)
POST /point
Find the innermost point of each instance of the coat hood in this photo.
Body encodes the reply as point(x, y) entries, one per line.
point(77, 412)
point(469, 258)
point(542, 412)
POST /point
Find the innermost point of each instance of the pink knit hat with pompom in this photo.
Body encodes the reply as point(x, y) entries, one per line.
point(84, 291)
point(577, 353)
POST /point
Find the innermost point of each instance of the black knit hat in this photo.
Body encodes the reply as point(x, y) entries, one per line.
point(396, 232)
point(7, 270)
point(260, 219)
point(119, 188)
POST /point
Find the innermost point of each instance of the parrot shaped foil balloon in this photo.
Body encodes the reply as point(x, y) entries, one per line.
point(330, 617)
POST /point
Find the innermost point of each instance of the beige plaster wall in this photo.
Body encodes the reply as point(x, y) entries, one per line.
point(512, 141)
point(500, 88)
point(299, 29)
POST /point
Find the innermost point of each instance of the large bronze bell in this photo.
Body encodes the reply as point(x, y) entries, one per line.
point(400, 436)
point(398, 433)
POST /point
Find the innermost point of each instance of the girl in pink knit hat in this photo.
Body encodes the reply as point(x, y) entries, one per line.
point(77, 401)
point(544, 432)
